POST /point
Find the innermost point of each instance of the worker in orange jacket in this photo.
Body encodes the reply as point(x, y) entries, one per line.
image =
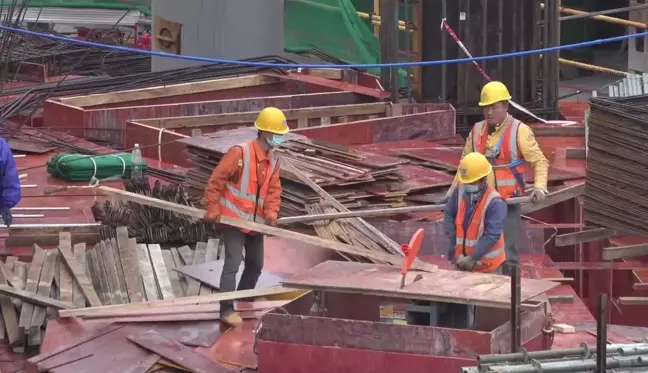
point(474, 222)
point(245, 185)
point(508, 144)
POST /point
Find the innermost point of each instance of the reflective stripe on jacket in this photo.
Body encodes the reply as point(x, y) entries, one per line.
point(245, 198)
point(468, 236)
point(508, 165)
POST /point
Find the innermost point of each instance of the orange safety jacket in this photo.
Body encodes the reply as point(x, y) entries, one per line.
point(508, 166)
point(467, 238)
point(244, 199)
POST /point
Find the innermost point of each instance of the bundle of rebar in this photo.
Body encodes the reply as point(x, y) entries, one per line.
point(149, 224)
point(583, 359)
point(615, 196)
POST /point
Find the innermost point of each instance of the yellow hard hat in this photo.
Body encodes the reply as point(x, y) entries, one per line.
point(494, 92)
point(473, 167)
point(272, 120)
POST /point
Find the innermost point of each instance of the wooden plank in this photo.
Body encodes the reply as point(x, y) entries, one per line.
point(211, 298)
point(173, 275)
point(22, 240)
point(177, 259)
point(146, 269)
point(96, 275)
point(45, 286)
point(34, 298)
point(556, 197)
point(555, 131)
point(129, 263)
point(209, 274)
point(31, 286)
point(79, 276)
point(170, 90)
point(9, 316)
point(65, 277)
point(19, 279)
point(186, 254)
point(584, 236)
point(176, 352)
point(197, 121)
point(264, 229)
point(161, 274)
point(112, 276)
point(633, 301)
point(575, 153)
point(193, 286)
point(114, 249)
point(80, 256)
point(630, 251)
point(447, 286)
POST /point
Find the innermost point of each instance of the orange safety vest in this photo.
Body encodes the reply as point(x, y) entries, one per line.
point(244, 199)
point(467, 238)
point(508, 166)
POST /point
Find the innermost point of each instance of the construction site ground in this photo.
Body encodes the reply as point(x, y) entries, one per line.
point(421, 136)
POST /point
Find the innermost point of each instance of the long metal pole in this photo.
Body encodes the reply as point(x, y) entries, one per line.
point(604, 12)
point(379, 212)
point(561, 366)
point(516, 337)
point(580, 352)
point(601, 334)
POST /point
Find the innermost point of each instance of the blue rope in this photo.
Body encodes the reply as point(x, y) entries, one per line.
point(319, 66)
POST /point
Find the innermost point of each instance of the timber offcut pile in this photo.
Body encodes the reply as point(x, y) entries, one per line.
point(349, 176)
point(315, 177)
point(615, 194)
point(128, 294)
point(149, 224)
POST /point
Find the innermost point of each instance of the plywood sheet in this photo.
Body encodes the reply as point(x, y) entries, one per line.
point(209, 273)
point(442, 285)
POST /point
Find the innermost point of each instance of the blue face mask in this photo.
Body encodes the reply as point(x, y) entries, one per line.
point(275, 141)
point(470, 189)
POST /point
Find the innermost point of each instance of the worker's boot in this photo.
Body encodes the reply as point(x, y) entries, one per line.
point(232, 319)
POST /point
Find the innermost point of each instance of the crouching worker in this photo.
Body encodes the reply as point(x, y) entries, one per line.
point(245, 185)
point(474, 222)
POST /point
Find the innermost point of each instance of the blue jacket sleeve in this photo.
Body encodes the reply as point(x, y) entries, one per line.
point(493, 228)
point(449, 215)
point(9, 183)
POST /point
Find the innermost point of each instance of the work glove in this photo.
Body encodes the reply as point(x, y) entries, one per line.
point(538, 195)
point(213, 213)
point(7, 217)
point(467, 263)
point(445, 199)
point(271, 219)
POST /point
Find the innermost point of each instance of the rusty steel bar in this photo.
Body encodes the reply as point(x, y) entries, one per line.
point(516, 320)
point(601, 334)
point(582, 352)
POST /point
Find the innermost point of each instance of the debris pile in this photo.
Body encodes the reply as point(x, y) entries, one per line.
point(150, 224)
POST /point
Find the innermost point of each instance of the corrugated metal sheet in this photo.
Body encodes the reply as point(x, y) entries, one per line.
point(83, 16)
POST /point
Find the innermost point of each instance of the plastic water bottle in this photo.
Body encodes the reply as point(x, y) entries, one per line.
point(136, 163)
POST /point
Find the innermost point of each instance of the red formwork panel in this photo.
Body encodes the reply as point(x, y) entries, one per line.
point(424, 126)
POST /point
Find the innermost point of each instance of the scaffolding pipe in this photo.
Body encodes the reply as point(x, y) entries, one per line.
point(618, 21)
point(629, 351)
point(569, 365)
point(584, 351)
point(604, 12)
point(598, 69)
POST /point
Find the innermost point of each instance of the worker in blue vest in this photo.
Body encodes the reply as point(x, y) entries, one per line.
point(10, 193)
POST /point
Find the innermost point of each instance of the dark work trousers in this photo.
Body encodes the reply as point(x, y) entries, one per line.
point(234, 241)
point(512, 226)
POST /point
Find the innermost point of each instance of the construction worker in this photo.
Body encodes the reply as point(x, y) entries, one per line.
point(507, 143)
point(245, 185)
point(474, 218)
point(474, 222)
point(9, 182)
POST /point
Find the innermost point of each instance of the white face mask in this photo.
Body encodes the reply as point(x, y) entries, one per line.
point(275, 141)
point(471, 189)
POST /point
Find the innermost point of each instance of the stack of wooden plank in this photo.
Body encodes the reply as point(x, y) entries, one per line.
point(615, 191)
point(115, 273)
point(357, 179)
